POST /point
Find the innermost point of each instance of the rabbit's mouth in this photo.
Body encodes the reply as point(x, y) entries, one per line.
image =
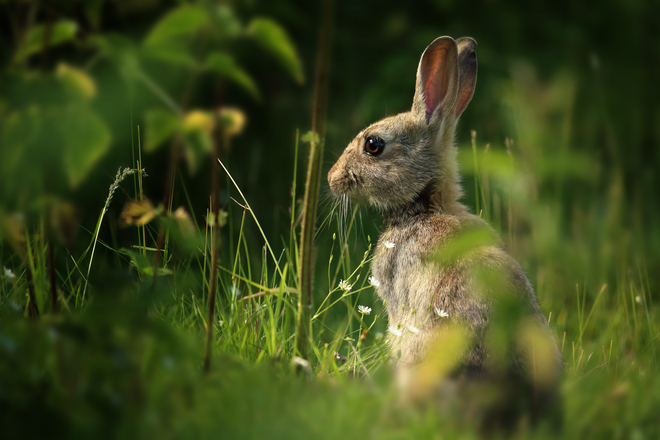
point(344, 185)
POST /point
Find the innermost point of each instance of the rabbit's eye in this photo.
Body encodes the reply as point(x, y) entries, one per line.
point(374, 145)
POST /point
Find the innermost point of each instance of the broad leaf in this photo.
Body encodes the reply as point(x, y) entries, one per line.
point(76, 82)
point(197, 130)
point(225, 22)
point(174, 52)
point(86, 139)
point(274, 39)
point(121, 51)
point(225, 65)
point(197, 145)
point(35, 40)
point(160, 125)
point(184, 20)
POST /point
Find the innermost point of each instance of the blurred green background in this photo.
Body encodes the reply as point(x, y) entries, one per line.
point(567, 120)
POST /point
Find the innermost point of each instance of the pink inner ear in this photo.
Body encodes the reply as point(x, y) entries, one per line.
point(435, 78)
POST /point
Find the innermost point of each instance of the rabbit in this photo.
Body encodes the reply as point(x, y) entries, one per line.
point(406, 166)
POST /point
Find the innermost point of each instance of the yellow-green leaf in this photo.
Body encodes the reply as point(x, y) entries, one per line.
point(225, 65)
point(76, 82)
point(160, 125)
point(199, 120)
point(174, 52)
point(274, 39)
point(184, 20)
point(86, 139)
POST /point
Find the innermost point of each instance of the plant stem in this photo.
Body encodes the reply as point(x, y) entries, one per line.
point(54, 305)
point(33, 308)
point(215, 245)
point(312, 185)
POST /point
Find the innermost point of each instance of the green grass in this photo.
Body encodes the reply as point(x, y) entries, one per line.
point(124, 357)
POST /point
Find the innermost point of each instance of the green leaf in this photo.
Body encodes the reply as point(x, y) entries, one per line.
point(78, 83)
point(143, 264)
point(86, 139)
point(274, 39)
point(121, 51)
point(197, 145)
point(159, 126)
point(310, 136)
point(184, 20)
point(225, 65)
point(61, 32)
point(225, 23)
point(173, 52)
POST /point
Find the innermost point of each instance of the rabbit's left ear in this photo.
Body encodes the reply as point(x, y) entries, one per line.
point(467, 73)
point(437, 79)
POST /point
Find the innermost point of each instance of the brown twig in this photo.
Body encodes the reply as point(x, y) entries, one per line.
point(215, 245)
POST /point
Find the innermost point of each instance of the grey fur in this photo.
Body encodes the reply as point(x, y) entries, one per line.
point(415, 184)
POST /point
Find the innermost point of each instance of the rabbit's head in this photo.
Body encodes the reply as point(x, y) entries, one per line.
point(397, 160)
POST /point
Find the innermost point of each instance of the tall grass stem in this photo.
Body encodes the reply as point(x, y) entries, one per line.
point(313, 183)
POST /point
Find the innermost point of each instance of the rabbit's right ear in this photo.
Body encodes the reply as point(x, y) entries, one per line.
point(437, 79)
point(467, 67)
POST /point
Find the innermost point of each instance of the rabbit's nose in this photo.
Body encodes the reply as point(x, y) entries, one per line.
point(332, 172)
point(334, 176)
point(337, 178)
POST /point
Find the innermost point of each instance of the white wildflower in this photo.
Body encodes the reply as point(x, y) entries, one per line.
point(412, 329)
point(373, 281)
point(388, 244)
point(638, 299)
point(343, 285)
point(301, 364)
point(441, 312)
point(395, 331)
point(364, 310)
point(8, 273)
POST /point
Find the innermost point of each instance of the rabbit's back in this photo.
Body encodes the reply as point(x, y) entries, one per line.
point(445, 269)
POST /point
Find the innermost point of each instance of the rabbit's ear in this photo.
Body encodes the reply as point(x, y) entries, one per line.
point(437, 79)
point(467, 73)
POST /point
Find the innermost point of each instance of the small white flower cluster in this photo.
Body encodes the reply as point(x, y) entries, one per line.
point(343, 285)
point(441, 312)
point(373, 281)
point(364, 310)
point(8, 273)
point(412, 329)
point(388, 244)
point(395, 331)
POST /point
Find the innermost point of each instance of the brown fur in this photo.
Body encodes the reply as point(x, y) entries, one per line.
point(416, 186)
